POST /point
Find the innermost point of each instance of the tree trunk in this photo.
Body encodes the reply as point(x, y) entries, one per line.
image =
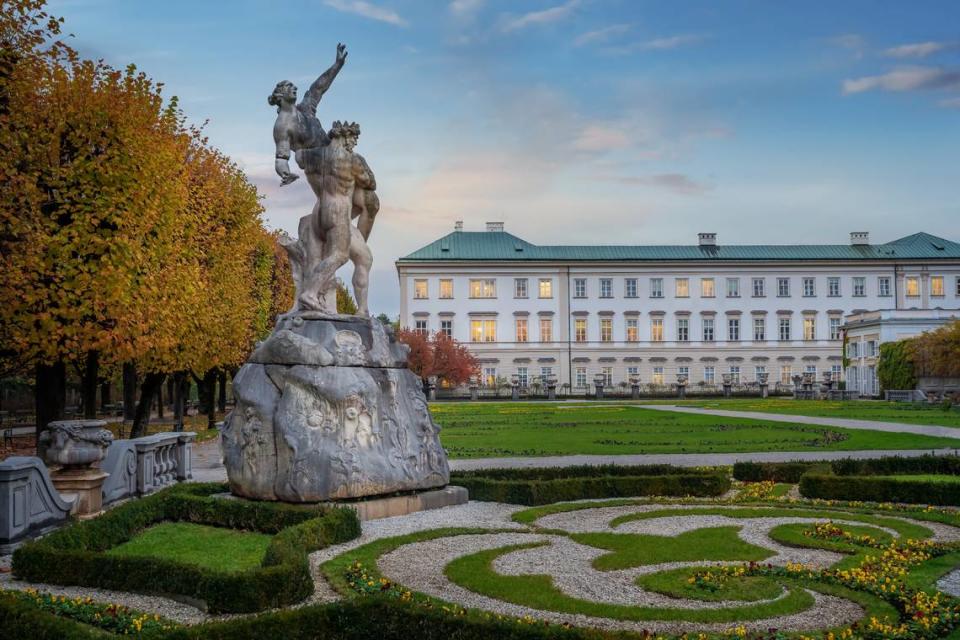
point(129, 390)
point(105, 392)
point(89, 381)
point(148, 391)
point(51, 393)
point(209, 397)
point(181, 389)
point(222, 391)
point(160, 402)
point(170, 394)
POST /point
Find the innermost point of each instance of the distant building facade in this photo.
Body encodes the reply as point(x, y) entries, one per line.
point(656, 312)
point(866, 331)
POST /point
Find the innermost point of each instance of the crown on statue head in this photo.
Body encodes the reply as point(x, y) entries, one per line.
point(344, 129)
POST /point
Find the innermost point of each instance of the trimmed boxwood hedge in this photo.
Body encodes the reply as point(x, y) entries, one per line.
point(895, 465)
point(879, 489)
point(363, 619)
point(75, 555)
point(775, 471)
point(558, 484)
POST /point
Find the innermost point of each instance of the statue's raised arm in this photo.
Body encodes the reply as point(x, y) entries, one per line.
point(319, 87)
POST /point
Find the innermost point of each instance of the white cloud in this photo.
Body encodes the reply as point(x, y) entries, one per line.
point(545, 16)
point(465, 7)
point(920, 49)
point(675, 182)
point(950, 103)
point(367, 10)
point(659, 44)
point(901, 79)
point(601, 35)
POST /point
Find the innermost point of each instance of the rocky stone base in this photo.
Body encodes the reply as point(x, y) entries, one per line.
point(388, 507)
point(326, 409)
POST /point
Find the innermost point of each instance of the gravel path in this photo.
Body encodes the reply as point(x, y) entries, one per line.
point(420, 567)
point(950, 583)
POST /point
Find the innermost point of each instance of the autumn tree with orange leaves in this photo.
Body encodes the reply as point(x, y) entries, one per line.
point(438, 355)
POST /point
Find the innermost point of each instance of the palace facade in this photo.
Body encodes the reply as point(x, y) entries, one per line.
point(656, 312)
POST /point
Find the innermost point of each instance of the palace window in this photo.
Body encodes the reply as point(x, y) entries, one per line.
point(630, 288)
point(786, 374)
point(709, 374)
point(633, 372)
point(607, 373)
point(759, 288)
point(936, 286)
point(735, 373)
point(420, 291)
point(546, 372)
point(580, 288)
point(783, 287)
point(682, 288)
point(580, 376)
point(683, 330)
point(519, 287)
point(913, 287)
point(486, 288)
point(546, 329)
point(420, 326)
point(446, 289)
point(833, 287)
point(580, 330)
point(759, 329)
point(784, 326)
point(546, 288)
point(606, 330)
point(521, 326)
point(656, 329)
point(883, 287)
point(684, 371)
point(708, 329)
point(657, 375)
point(606, 287)
point(809, 328)
point(522, 377)
point(811, 369)
point(490, 376)
point(859, 287)
point(733, 287)
point(707, 288)
point(446, 328)
point(656, 287)
point(757, 370)
point(733, 329)
point(835, 328)
point(809, 287)
point(837, 371)
point(633, 330)
point(483, 330)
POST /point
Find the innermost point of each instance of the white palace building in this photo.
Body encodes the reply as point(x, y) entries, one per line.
point(655, 312)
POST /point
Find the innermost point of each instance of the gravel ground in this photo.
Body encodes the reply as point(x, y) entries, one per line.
point(420, 567)
point(950, 583)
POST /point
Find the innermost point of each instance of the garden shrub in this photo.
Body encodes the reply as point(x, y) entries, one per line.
point(895, 369)
point(75, 555)
point(774, 471)
point(894, 465)
point(544, 486)
point(879, 489)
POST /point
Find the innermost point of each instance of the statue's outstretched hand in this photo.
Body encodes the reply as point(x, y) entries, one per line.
point(287, 178)
point(341, 52)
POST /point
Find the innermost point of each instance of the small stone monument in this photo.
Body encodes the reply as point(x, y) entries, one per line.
point(474, 388)
point(681, 386)
point(599, 381)
point(763, 379)
point(727, 385)
point(551, 383)
point(326, 407)
point(635, 387)
point(71, 448)
point(514, 387)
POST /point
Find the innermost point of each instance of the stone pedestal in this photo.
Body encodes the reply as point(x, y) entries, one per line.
point(326, 409)
point(86, 484)
point(635, 391)
point(764, 390)
point(474, 392)
point(552, 391)
point(514, 392)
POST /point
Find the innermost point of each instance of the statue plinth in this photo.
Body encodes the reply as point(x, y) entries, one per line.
point(327, 409)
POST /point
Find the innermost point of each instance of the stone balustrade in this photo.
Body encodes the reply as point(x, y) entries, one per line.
point(29, 503)
point(141, 466)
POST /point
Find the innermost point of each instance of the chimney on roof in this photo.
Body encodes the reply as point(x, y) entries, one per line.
point(859, 238)
point(494, 226)
point(458, 225)
point(707, 239)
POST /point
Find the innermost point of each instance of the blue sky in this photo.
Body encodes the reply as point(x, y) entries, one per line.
point(586, 121)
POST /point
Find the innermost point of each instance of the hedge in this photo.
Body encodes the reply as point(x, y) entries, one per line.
point(895, 465)
point(75, 555)
point(358, 620)
point(544, 486)
point(775, 471)
point(879, 489)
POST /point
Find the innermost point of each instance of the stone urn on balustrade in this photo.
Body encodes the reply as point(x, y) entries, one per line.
point(71, 448)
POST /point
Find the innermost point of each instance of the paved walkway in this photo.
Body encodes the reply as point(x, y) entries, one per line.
point(846, 423)
point(207, 466)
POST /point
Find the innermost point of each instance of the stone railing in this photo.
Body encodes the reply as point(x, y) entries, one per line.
point(29, 503)
point(143, 465)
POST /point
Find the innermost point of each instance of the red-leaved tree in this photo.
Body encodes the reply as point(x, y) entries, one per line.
point(438, 355)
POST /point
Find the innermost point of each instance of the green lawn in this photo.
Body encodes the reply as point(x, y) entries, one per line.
point(211, 547)
point(481, 430)
point(856, 409)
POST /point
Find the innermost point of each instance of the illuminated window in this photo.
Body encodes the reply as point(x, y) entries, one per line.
point(446, 289)
point(521, 327)
point(546, 288)
point(936, 286)
point(656, 329)
point(633, 330)
point(483, 288)
point(683, 330)
point(420, 290)
point(786, 374)
point(519, 287)
point(483, 330)
point(706, 288)
point(913, 287)
point(546, 329)
point(809, 328)
point(580, 330)
point(683, 287)
point(606, 330)
point(657, 375)
point(489, 376)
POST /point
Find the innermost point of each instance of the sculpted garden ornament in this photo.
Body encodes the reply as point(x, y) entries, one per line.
point(326, 407)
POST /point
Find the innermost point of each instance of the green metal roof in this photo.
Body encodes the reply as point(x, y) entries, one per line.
point(500, 245)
